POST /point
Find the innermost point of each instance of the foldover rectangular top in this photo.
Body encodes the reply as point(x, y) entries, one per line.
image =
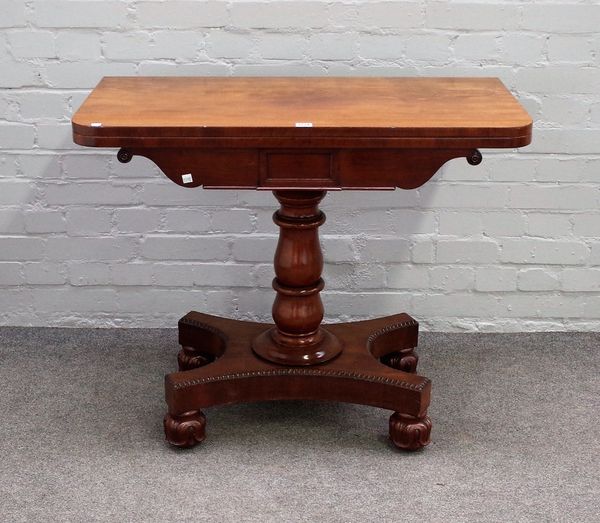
point(157, 111)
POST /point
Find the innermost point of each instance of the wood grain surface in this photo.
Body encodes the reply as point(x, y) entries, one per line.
point(244, 107)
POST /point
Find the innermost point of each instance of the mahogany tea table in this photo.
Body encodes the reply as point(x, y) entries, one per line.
point(300, 137)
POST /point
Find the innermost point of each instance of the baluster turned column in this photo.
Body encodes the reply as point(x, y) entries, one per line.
point(297, 337)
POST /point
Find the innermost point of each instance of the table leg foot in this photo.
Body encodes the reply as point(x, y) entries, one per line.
point(409, 432)
point(185, 430)
point(405, 360)
point(201, 344)
point(395, 342)
point(191, 358)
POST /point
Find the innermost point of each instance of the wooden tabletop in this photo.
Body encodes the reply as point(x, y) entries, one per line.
point(128, 110)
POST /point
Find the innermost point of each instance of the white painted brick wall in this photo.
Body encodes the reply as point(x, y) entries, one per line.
point(510, 245)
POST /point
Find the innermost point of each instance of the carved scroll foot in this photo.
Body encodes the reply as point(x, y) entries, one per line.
point(409, 432)
point(405, 360)
point(191, 358)
point(185, 430)
point(394, 343)
point(201, 343)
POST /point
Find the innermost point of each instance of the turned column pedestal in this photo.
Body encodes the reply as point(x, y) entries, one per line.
point(297, 337)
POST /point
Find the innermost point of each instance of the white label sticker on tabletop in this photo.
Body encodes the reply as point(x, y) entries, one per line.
point(303, 124)
point(187, 178)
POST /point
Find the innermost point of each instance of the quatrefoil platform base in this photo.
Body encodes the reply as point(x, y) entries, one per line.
point(376, 366)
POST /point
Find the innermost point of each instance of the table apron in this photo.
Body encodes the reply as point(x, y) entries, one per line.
point(291, 168)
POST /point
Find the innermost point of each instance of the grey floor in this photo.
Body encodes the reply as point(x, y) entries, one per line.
point(516, 438)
